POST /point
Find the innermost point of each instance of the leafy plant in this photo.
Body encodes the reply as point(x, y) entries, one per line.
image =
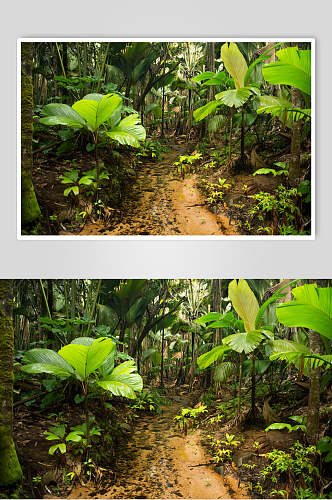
point(293, 68)
point(281, 204)
point(300, 426)
point(97, 114)
point(298, 464)
point(324, 446)
point(265, 171)
point(82, 358)
point(215, 191)
point(57, 434)
point(223, 453)
point(183, 166)
point(188, 416)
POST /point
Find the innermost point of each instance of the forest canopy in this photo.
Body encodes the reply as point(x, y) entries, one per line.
point(207, 138)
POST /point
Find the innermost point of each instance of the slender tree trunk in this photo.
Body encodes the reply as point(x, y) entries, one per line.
point(73, 299)
point(314, 392)
point(253, 386)
point(163, 101)
point(230, 136)
point(50, 297)
point(295, 161)
point(30, 210)
point(216, 305)
point(239, 389)
point(162, 359)
point(102, 68)
point(210, 66)
point(10, 469)
point(294, 166)
point(85, 64)
point(242, 137)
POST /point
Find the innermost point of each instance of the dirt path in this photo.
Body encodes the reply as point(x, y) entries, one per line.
point(161, 463)
point(162, 204)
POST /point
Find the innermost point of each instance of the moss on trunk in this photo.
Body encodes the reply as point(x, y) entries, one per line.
point(10, 469)
point(29, 209)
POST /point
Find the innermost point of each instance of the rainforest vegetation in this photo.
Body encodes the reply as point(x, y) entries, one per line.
point(165, 388)
point(146, 138)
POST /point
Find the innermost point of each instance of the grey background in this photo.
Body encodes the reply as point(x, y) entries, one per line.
point(168, 258)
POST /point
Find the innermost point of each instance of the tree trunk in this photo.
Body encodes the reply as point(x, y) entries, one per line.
point(30, 210)
point(238, 410)
point(163, 101)
point(314, 392)
point(216, 286)
point(10, 469)
point(294, 166)
point(210, 66)
point(242, 137)
point(314, 379)
point(50, 296)
point(162, 359)
point(230, 136)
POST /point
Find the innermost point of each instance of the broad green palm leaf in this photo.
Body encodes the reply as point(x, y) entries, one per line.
point(312, 308)
point(93, 112)
point(83, 357)
point(293, 68)
point(234, 62)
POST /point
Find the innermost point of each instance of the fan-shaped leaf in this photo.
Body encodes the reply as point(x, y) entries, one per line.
point(312, 309)
point(244, 342)
point(293, 68)
point(234, 62)
point(244, 302)
point(234, 97)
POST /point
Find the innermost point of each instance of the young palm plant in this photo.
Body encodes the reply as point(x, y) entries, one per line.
point(81, 359)
point(246, 305)
point(97, 113)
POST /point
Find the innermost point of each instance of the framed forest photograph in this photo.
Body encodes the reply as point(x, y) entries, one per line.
point(165, 388)
point(203, 138)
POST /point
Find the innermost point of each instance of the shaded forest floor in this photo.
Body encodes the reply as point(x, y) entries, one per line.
point(149, 197)
point(143, 455)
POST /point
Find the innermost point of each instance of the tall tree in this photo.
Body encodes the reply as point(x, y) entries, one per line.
point(10, 469)
point(315, 345)
point(29, 205)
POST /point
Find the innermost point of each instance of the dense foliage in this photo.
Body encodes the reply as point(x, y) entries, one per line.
point(102, 112)
point(91, 356)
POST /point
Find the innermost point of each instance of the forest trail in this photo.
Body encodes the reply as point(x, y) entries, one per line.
point(163, 204)
point(159, 462)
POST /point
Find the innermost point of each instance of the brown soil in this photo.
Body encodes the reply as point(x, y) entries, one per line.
point(159, 462)
point(163, 204)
